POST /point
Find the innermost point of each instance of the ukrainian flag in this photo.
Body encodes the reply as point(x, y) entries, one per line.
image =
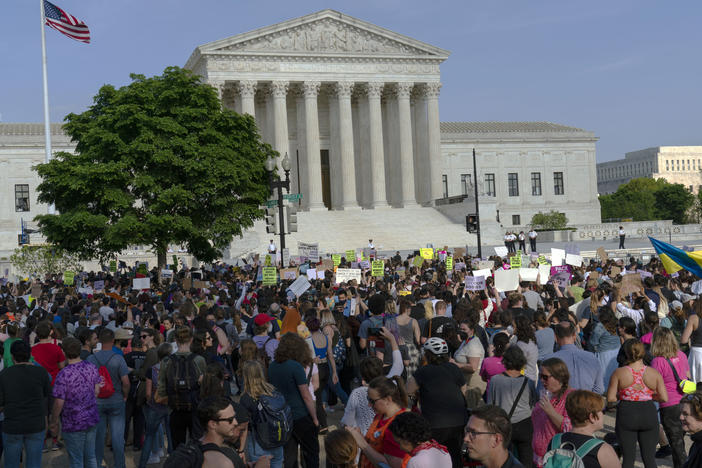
point(675, 259)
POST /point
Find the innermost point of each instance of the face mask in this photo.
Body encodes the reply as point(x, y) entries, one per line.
point(211, 323)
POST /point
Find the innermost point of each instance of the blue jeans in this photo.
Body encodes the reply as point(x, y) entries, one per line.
point(32, 443)
point(153, 418)
point(255, 451)
point(112, 413)
point(80, 446)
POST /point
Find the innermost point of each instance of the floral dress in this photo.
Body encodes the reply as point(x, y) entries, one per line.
point(544, 429)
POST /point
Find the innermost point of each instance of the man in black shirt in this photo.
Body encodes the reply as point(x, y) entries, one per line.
point(219, 421)
point(435, 325)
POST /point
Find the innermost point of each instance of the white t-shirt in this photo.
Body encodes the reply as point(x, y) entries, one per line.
point(532, 234)
point(430, 458)
point(471, 349)
point(621, 232)
point(271, 247)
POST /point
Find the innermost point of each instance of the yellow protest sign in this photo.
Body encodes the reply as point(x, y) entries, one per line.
point(350, 255)
point(270, 275)
point(427, 254)
point(449, 263)
point(336, 258)
point(515, 261)
point(267, 261)
point(542, 260)
point(68, 277)
point(418, 261)
point(378, 268)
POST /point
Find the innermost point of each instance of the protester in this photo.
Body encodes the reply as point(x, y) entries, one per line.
point(488, 437)
point(585, 369)
point(413, 434)
point(691, 420)
point(155, 414)
point(340, 449)
point(218, 419)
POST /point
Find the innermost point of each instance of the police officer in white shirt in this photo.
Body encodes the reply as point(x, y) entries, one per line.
point(622, 235)
point(532, 240)
point(271, 247)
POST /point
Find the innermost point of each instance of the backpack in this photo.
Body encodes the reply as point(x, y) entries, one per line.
point(272, 421)
point(339, 351)
point(188, 455)
point(182, 384)
point(263, 356)
point(107, 388)
point(565, 455)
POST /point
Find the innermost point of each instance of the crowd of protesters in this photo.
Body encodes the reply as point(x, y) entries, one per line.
point(426, 372)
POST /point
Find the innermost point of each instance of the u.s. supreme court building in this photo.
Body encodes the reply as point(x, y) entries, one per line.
point(356, 108)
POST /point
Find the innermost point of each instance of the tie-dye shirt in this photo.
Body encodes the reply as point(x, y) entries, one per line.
point(75, 384)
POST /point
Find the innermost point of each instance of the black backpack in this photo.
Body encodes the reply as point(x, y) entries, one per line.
point(272, 421)
point(182, 384)
point(188, 455)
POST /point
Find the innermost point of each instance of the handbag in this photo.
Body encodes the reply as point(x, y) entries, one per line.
point(519, 396)
point(687, 386)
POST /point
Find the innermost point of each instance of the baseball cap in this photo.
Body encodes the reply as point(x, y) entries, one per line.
point(262, 319)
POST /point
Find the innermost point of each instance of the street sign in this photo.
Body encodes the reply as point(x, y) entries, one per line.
point(271, 203)
point(292, 196)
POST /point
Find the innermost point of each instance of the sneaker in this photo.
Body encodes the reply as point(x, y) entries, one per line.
point(161, 453)
point(664, 451)
point(57, 445)
point(153, 460)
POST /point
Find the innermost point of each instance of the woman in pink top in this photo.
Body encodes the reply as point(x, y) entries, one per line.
point(493, 365)
point(635, 386)
point(549, 416)
point(667, 356)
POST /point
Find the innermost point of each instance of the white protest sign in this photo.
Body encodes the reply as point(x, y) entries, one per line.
point(99, 285)
point(544, 273)
point(166, 274)
point(501, 251)
point(286, 257)
point(575, 260)
point(485, 273)
point(310, 251)
point(696, 287)
point(344, 275)
point(557, 257)
point(300, 285)
point(85, 290)
point(141, 283)
point(475, 283)
point(486, 264)
point(507, 280)
point(312, 273)
point(528, 274)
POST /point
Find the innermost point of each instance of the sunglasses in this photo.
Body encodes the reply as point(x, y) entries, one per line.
point(545, 377)
point(143, 337)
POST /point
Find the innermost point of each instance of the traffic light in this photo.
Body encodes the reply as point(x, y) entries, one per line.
point(291, 219)
point(472, 223)
point(272, 220)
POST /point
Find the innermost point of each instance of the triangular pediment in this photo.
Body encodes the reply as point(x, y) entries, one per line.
point(326, 32)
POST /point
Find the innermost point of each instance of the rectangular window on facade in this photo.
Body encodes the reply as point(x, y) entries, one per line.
point(516, 221)
point(558, 183)
point(444, 180)
point(465, 183)
point(536, 184)
point(513, 184)
point(490, 185)
point(21, 197)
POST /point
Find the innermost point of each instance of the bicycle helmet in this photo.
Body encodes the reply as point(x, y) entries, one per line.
point(436, 345)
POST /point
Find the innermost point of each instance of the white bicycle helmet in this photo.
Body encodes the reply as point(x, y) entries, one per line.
point(436, 346)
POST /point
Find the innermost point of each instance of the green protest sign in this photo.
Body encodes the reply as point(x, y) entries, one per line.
point(336, 258)
point(542, 260)
point(270, 276)
point(68, 277)
point(418, 261)
point(378, 268)
point(350, 255)
point(449, 263)
point(113, 266)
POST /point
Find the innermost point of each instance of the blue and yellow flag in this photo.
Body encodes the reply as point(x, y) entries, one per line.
point(675, 259)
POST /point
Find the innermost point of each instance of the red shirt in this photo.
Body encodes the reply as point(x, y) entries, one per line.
point(49, 356)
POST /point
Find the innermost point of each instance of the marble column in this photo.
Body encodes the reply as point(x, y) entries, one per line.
point(279, 91)
point(247, 92)
point(377, 153)
point(348, 168)
point(314, 164)
point(405, 144)
point(421, 149)
point(434, 140)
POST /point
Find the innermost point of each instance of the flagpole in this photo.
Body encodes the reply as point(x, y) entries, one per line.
point(47, 122)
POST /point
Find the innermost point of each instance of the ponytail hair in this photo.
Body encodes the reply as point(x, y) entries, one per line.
point(390, 387)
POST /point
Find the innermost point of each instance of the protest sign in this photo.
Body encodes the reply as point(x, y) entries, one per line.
point(285, 259)
point(475, 283)
point(544, 273)
point(187, 283)
point(487, 273)
point(602, 253)
point(696, 287)
point(555, 269)
point(165, 274)
point(309, 250)
point(418, 261)
point(459, 252)
point(267, 261)
point(36, 290)
point(270, 276)
point(336, 260)
point(528, 274)
point(327, 264)
point(573, 259)
point(460, 266)
point(99, 285)
point(594, 275)
point(486, 264)
point(401, 272)
point(299, 286)
point(364, 264)
point(113, 266)
point(646, 274)
point(561, 279)
point(288, 273)
point(141, 283)
point(542, 260)
point(449, 263)
point(515, 261)
point(427, 254)
point(350, 255)
point(68, 277)
point(344, 275)
point(378, 268)
point(199, 284)
point(614, 271)
point(630, 284)
point(501, 251)
point(506, 280)
point(86, 291)
point(312, 273)
point(557, 256)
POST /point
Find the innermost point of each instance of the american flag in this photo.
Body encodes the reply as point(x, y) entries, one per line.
point(65, 24)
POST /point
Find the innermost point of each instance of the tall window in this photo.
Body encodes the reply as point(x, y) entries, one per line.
point(444, 180)
point(21, 197)
point(516, 220)
point(490, 185)
point(465, 183)
point(558, 183)
point(536, 184)
point(513, 184)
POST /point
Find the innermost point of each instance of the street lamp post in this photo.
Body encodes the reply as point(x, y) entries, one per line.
point(477, 209)
point(279, 185)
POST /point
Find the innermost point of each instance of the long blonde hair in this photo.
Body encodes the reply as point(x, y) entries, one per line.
point(255, 383)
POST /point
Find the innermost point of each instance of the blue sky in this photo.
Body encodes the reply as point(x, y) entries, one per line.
point(628, 70)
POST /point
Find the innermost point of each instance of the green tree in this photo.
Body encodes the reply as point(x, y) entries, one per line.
point(673, 201)
point(41, 260)
point(645, 199)
point(157, 162)
point(550, 220)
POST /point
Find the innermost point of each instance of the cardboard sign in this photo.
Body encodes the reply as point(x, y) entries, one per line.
point(459, 252)
point(486, 264)
point(602, 253)
point(378, 268)
point(336, 260)
point(299, 286)
point(99, 285)
point(113, 266)
point(270, 276)
point(141, 283)
point(557, 257)
point(515, 261)
point(288, 274)
point(506, 280)
point(199, 284)
point(544, 273)
point(501, 251)
point(449, 263)
point(309, 250)
point(418, 261)
point(475, 283)
point(427, 254)
point(350, 255)
point(614, 271)
point(187, 283)
point(68, 277)
point(630, 284)
point(486, 273)
point(344, 275)
point(575, 260)
point(36, 291)
point(327, 264)
point(528, 274)
point(594, 275)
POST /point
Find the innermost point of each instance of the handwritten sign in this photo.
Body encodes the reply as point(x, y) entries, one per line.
point(267, 261)
point(270, 276)
point(542, 260)
point(486, 264)
point(602, 253)
point(68, 277)
point(515, 261)
point(378, 268)
point(299, 286)
point(309, 250)
point(630, 284)
point(427, 253)
point(475, 283)
point(501, 251)
point(344, 275)
point(285, 259)
point(288, 273)
point(449, 263)
point(141, 283)
point(486, 273)
point(459, 252)
point(459, 266)
point(312, 274)
point(350, 255)
point(336, 259)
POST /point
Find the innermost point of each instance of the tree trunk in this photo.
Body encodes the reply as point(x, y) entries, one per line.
point(161, 255)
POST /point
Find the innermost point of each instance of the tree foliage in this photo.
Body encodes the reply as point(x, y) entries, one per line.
point(157, 162)
point(550, 220)
point(644, 199)
point(41, 260)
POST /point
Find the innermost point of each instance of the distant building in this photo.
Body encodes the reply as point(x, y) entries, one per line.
point(676, 164)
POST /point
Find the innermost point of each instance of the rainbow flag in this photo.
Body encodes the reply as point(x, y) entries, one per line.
point(675, 259)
